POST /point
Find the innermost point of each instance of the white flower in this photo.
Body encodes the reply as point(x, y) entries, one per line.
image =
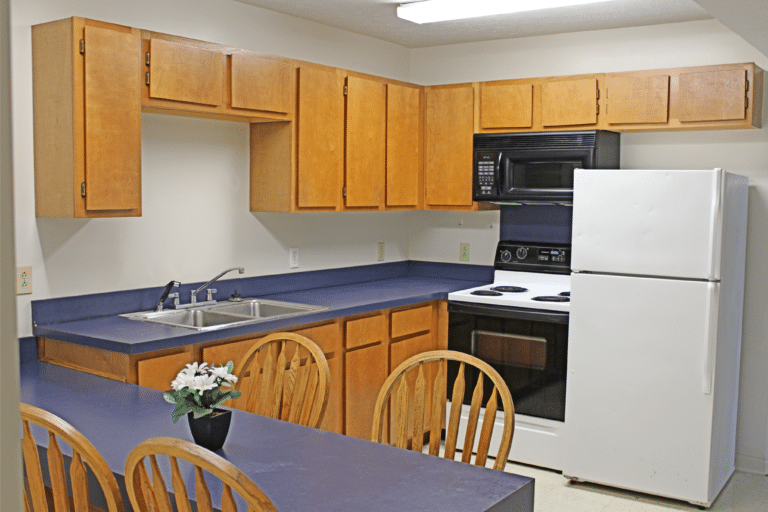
point(183, 380)
point(204, 382)
point(222, 373)
point(193, 368)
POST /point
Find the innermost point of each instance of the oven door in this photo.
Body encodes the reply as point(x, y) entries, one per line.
point(528, 347)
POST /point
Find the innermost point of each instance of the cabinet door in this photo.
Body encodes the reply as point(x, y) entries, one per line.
point(159, 372)
point(260, 84)
point(112, 120)
point(635, 99)
point(185, 73)
point(366, 142)
point(712, 96)
point(403, 145)
point(320, 138)
point(449, 132)
point(365, 373)
point(506, 106)
point(569, 102)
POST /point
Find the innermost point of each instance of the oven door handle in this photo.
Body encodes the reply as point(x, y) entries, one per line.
point(512, 312)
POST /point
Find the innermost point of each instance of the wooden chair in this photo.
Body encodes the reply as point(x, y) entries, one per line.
point(152, 495)
point(83, 452)
point(284, 376)
point(406, 411)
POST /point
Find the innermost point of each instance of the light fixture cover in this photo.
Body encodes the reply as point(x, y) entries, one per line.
point(431, 11)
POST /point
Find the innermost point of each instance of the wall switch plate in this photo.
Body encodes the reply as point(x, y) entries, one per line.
point(293, 257)
point(463, 251)
point(23, 280)
point(380, 251)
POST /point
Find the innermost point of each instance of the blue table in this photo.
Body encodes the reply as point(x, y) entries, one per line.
point(299, 468)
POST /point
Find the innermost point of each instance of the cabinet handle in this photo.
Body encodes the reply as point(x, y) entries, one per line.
point(82, 189)
point(344, 192)
point(82, 46)
point(147, 78)
point(147, 59)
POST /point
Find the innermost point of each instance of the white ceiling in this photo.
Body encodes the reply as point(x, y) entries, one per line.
point(377, 18)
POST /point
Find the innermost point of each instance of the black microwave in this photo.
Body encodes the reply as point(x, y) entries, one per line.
point(538, 167)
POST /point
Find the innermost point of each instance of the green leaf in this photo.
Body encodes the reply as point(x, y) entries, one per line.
point(199, 412)
point(170, 398)
point(180, 410)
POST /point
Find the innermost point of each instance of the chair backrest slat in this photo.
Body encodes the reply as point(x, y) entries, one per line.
point(202, 494)
point(179, 487)
point(297, 391)
point(58, 475)
point(34, 474)
point(453, 423)
point(265, 386)
point(474, 415)
point(78, 479)
point(233, 481)
point(158, 483)
point(401, 431)
point(417, 437)
point(290, 385)
point(394, 393)
point(438, 412)
point(486, 430)
point(277, 384)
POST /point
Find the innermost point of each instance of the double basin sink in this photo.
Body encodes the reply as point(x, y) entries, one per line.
point(224, 314)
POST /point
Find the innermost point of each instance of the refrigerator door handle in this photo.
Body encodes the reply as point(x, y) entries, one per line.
point(710, 338)
point(715, 226)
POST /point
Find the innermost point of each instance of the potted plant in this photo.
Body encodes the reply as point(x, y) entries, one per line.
point(197, 390)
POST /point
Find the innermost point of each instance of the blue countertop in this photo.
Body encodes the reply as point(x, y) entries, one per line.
point(92, 320)
point(299, 468)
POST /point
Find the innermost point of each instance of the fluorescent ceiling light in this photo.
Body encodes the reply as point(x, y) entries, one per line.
point(430, 11)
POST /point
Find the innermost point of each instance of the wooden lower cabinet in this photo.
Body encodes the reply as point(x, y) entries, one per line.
point(361, 352)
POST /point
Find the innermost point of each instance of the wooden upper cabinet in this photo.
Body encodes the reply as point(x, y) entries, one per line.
point(506, 105)
point(712, 96)
point(87, 119)
point(320, 141)
point(260, 84)
point(365, 142)
point(403, 146)
point(186, 73)
point(637, 99)
point(569, 102)
point(449, 135)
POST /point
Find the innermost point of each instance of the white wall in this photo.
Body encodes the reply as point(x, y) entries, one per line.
point(740, 151)
point(195, 219)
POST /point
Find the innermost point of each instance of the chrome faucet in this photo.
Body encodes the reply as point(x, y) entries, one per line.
point(209, 296)
point(167, 293)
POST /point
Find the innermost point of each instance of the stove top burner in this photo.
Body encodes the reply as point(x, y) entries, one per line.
point(552, 298)
point(488, 293)
point(510, 289)
point(565, 294)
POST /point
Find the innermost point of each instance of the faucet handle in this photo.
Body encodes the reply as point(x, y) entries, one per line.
point(175, 297)
point(209, 293)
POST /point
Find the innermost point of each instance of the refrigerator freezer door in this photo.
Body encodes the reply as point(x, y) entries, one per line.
point(651, 223)
point(636, 415)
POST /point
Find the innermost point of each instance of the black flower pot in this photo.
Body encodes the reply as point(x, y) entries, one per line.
point(210, 431)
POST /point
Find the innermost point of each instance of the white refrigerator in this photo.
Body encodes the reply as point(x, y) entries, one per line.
point(654, 345)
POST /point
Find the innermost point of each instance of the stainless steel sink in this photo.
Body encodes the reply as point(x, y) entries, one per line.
point(224, 314)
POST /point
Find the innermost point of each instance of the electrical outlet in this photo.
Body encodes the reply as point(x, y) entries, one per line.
point(380, 251)
point(293, 257)
point(23, 280)
point(463, 251)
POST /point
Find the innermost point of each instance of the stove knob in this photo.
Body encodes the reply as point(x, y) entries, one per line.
point(506, 256)
point(522, 253)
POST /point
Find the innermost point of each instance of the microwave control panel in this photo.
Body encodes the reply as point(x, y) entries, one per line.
point(485, 184)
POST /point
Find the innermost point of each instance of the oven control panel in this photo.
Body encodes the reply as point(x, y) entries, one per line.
point(533, 257)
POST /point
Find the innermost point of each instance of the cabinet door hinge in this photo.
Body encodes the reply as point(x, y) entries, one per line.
point(82, 46)
point(344, 192)
point(146, 80)
point(747, 89)
point(82, 189)
point(746, 103)
point(146, 60)
point(345, 90)
point(598, 109)
point(598, 93)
